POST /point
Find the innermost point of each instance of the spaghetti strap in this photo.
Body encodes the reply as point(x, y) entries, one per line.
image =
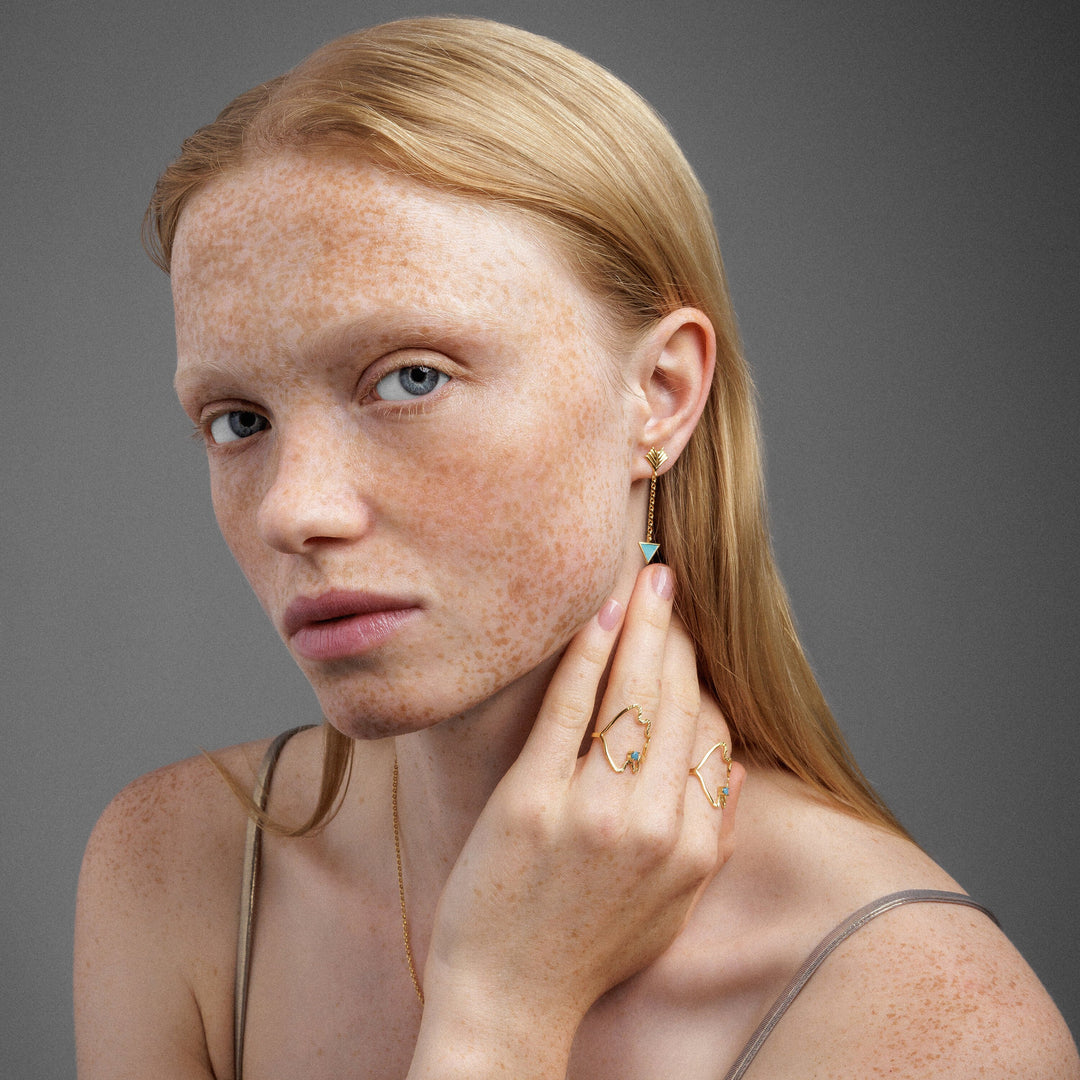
point(848, 927)
point(248, 893)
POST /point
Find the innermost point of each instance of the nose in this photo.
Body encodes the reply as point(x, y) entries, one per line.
point(315, 495)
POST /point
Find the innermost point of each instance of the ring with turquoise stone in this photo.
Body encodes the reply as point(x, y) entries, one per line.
point(634, 758)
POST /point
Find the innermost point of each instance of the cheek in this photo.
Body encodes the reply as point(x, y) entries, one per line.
point(235, 509)
point(540, 527)
point(224, 498)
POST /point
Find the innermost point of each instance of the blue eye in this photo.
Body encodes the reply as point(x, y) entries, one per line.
point(410, 382)
point(240, 424)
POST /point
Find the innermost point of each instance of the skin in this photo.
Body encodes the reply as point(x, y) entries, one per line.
point(434, 493)
point(566, 921)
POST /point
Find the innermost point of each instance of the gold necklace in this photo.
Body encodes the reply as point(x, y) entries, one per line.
point(401, 890)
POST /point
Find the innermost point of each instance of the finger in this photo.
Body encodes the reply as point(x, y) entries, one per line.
point(727, 826)
point(712, 772)
point(711, 764)
point(632, 697)
point(554, 742)
point(673, 717)
point(725, 834)
point(680, 709)
point(714, 784)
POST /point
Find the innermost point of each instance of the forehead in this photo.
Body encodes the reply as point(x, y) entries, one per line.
point(295, 241)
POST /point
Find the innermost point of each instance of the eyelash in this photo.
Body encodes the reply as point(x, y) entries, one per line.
point(211, 414)
point(255, 420)
point(203, 428)
point(442, 378)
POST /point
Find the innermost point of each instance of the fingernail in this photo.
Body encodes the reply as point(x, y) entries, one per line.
point(664, 582)
point(608, 616)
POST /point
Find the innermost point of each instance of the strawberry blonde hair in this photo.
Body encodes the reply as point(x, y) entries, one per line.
point(505, 117)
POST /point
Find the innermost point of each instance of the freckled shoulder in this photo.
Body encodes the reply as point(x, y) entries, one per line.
point(927, 990)
point(183, 811)
point(156, 921)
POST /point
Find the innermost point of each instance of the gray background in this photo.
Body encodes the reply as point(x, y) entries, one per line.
point(894, 187)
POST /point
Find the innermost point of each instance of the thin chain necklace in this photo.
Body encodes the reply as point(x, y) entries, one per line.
point(401, 891)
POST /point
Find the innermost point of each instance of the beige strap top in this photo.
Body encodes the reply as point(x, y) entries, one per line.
point(249, 894)
point(848, 927)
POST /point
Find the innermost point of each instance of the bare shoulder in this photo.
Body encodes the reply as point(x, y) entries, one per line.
point(923, 990)
point(145, 840)
point(156, 913)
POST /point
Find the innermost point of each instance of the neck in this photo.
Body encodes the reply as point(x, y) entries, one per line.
point(448, 772)
point(445, 776)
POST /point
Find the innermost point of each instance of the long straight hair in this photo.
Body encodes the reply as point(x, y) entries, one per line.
point(514, 120)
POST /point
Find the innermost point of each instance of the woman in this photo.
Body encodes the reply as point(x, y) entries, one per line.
point(452, 322)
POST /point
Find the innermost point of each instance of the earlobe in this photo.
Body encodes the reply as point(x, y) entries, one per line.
point(677, 368)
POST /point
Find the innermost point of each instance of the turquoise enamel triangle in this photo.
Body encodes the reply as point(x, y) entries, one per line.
point(648, 550)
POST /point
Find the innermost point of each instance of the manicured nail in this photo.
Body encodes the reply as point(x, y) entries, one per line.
point(663, 582)
point(608, 616)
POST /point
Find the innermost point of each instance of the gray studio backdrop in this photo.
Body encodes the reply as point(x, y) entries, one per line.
point(894, 187)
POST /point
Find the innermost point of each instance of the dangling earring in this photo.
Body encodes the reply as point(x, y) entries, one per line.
point(655, 458)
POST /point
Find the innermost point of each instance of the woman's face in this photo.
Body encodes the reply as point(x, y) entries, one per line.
point(420, 450)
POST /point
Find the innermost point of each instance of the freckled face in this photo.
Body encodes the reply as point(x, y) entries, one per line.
point(404, 395)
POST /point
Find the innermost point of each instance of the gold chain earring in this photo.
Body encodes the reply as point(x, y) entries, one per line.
point(655, 458)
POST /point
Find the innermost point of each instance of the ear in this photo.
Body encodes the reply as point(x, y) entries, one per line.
point(675, 370)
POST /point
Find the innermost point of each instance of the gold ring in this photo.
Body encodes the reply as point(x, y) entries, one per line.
point(634, 758)
point(719, 800)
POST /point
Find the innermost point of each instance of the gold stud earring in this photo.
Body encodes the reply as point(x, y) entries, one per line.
point(655, 458)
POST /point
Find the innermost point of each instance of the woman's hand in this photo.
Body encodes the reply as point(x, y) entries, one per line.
point(577, 876)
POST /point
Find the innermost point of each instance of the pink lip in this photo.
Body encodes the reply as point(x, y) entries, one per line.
point(337, 625)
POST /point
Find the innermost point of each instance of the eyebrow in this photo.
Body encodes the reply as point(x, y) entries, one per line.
point(392, 325)
point(202, 374)
point(387, 326)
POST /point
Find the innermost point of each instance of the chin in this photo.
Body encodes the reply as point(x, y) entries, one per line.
point(377, 713)
point(368, 707)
